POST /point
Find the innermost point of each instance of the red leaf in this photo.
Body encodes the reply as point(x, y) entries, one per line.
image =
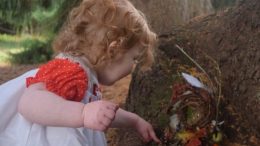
point(194, 142)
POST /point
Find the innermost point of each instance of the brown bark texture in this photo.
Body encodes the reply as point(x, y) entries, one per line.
point(227, 46)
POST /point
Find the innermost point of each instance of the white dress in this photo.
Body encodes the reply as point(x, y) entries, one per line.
point(15, 130)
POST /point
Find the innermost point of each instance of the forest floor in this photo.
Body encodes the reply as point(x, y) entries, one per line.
point(116, 93)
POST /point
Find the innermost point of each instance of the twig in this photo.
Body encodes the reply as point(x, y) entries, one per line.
point(182, 50)
point(218, 81)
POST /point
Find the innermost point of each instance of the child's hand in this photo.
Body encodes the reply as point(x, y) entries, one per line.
point(145, 129)
point(98, 115)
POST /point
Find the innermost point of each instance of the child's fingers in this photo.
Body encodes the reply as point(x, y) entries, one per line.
point(106, 121)
point(101, 127)
point(154, 137)
point(117, 107)
point(110, 114)
point(145, 137)
point(112, 106)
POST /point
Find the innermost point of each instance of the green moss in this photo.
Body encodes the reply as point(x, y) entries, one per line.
point(163, 120)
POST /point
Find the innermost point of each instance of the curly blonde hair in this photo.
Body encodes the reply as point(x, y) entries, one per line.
point(95, 25)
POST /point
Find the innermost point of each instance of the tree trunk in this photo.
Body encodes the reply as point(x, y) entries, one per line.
point(232, 39)
point(164, 15)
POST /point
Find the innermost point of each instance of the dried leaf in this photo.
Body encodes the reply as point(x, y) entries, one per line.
point(185, 136)
point(194, 142)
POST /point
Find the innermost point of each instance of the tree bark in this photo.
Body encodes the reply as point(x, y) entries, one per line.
point(232, 39)
point(164, 15)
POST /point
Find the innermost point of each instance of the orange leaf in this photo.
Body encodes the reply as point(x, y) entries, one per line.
point(194, 142)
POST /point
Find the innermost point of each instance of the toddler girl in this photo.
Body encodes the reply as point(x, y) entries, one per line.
point(59, 104)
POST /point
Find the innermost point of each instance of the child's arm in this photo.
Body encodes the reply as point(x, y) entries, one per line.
point(125, 119)
point(43, 107)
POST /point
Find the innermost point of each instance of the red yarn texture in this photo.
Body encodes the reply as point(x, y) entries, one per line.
point(62, 77)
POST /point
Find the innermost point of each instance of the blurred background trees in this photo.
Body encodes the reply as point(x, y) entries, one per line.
point(27, 27)
point(33, 16)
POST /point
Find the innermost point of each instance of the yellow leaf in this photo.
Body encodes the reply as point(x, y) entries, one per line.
point(184, 136)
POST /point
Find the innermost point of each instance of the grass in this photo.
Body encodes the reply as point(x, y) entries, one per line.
point(13, 44)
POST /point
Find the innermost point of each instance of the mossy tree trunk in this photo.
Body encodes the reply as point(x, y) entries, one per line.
point(232, 39)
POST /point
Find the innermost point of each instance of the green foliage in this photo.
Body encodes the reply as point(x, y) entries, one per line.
point(63, 11)
point(8, 42)
point(15, 12)
point(34, 16)
point(41, 15)
point(35, 51)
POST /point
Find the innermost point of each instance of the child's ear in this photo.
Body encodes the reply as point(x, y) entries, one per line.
point(112, 48)
point(112, 44)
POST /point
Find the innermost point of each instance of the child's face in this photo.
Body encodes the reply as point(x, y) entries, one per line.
point(121, 66)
